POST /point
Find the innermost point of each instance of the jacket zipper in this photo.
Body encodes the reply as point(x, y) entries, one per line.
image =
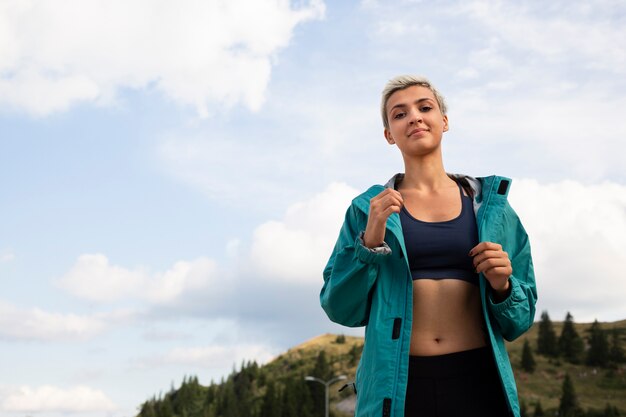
point(388, 404)
point(493, 348)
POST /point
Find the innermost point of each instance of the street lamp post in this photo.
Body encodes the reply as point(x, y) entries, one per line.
point(327, 385)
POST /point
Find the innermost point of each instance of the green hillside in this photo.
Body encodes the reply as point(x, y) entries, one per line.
point(278, 389)
point(594, 386)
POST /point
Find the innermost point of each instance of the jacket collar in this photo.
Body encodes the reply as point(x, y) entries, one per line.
point(475, 183)
point(484, 190)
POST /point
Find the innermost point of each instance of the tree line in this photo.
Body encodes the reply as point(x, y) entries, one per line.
point(280, 390)
point(603, 348)
point(600, 348)
point(253, 391)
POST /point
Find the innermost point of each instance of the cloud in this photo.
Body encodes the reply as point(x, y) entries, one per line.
point(547, 135)
point(589, 35)
point(234, 168)
point(35, 324)
point(540, 87)
point(93, 278)
point(215, 356)
point(230, 343)
point(269, 161)
point(577, 233)
point(296, 248)
point(201, 54)
point(6, 256)
point(272, 285)
point(51, 399)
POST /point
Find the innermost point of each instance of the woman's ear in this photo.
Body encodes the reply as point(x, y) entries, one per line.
point(445, 123)
point(389, 137)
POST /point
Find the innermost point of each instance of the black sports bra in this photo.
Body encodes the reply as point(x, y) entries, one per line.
point(438, 250)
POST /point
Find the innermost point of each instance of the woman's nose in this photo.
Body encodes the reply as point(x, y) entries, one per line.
point(415, 116)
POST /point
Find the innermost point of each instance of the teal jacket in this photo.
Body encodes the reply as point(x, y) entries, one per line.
point(374, 289)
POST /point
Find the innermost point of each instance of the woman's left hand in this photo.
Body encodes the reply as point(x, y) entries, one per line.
point(494, 263)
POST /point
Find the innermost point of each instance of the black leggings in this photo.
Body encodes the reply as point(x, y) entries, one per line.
point(463, 384)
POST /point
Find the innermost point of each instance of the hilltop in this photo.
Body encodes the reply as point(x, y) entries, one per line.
point(278, 388)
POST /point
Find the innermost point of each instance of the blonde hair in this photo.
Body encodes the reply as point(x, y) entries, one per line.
point(405, 81)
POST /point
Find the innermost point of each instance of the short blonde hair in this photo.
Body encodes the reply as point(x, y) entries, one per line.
point(405, 81)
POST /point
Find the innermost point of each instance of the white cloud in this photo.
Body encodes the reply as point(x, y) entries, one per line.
point(589, 34)
point(92, 277)
point(36, 324)
point(296, 248)
point(233, 168)
point(574, 135)
point(6, 256)
point(218, 355)
point(51, 399)
point(539, 86)
point(577, 233)
point(328, 129)
point(198, 53)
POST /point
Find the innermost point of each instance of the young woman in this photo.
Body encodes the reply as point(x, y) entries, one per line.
point(438, 268)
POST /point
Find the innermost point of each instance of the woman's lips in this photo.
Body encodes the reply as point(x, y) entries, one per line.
point(417, 131)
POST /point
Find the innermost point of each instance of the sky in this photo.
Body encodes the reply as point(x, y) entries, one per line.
point(173, 176)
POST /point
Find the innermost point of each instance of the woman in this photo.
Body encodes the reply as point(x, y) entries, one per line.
point(438, 268)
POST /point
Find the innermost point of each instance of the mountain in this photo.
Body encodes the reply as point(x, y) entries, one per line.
point(278, 389)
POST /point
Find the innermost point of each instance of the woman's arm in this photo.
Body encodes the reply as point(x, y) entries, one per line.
point(515, 311)
point(351, 273)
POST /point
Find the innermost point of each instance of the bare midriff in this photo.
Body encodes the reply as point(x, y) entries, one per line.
point(447, 317)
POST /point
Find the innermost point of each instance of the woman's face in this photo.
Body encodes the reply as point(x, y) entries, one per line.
point(416, 124)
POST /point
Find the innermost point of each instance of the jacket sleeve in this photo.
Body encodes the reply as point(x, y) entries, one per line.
point(350, 274)
point(516, 313)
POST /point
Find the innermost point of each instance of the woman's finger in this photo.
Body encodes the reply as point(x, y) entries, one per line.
point(483, 246)
point(492, 263)
point(489, 254)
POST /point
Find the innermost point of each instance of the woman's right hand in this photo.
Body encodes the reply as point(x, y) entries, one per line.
point(387, 202)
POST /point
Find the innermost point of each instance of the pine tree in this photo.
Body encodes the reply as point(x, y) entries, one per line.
point(568, 407)
point(528, 361)
point(598, 353)
point(571, 345)
point(616, 352)
point(242, 384)
point(164, 409)
point(228, 404)
point(303, 396)
point(546, 340)
point(323, 371)
point(354, 354)
point(538, 410)
point(211, 395)
point(290, 399)
point(148, 409)
point(272, 405)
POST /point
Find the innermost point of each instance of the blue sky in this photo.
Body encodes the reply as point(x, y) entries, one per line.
point(174, 176)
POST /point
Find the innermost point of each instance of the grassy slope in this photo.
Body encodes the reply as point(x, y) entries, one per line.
point(593, 387)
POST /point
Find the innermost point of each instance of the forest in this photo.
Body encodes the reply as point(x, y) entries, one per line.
point(573, 369)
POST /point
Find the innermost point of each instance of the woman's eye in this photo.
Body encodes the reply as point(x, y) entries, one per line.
point(426, 108)
point(399, 115)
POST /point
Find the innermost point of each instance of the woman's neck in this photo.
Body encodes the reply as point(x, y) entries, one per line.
point(426, 174)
